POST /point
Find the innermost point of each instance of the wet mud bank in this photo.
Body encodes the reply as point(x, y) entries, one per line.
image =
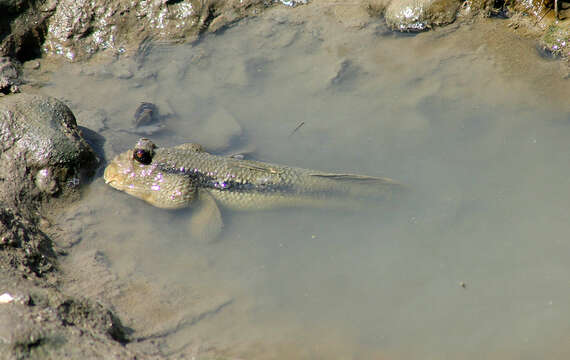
point(43, 163)
point(82, 30)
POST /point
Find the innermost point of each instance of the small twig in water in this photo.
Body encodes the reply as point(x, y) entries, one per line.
point(297, 128)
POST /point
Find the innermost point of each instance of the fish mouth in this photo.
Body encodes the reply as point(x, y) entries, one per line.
point(111, 174)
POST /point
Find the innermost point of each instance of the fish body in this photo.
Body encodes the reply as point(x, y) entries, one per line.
point(173, 178)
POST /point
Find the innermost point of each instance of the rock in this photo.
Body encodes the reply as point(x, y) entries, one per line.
point(293, 3)
point(407, 15)
point(41, 149)
point(9, 76)
point(79, 29)
point(420, 15)
point(22, 28)
point(147, 120)
point(145, 114)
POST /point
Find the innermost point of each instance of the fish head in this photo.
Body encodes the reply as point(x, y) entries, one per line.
point(145, 179)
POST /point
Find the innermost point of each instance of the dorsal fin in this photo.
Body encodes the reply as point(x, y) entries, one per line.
point(191, 147)
point(261, 167)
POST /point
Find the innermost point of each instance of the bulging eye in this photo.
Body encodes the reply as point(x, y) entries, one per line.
point(143, 156)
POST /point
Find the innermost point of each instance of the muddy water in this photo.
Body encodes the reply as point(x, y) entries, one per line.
point(471, 263)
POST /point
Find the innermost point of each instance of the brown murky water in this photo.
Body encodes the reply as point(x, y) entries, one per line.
point(472, 264)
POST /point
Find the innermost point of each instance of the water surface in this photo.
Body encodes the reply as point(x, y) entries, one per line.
point(470, 264)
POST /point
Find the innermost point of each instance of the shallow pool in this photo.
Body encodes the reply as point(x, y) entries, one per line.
point(471, 263)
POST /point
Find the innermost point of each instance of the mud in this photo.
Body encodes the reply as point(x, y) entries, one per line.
point(78, 31)
point(38, 320)
point(43, 160)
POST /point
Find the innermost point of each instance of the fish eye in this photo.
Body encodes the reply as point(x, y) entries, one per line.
point(143, 156)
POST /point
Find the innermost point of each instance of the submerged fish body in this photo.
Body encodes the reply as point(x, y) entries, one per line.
point(174, 177)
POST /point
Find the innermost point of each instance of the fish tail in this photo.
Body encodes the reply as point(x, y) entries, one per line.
point(360, 186)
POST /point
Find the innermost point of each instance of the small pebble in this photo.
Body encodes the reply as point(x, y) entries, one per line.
point(6, 298)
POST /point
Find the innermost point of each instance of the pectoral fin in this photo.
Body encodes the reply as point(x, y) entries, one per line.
point(206, 221)
point(242, 153)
